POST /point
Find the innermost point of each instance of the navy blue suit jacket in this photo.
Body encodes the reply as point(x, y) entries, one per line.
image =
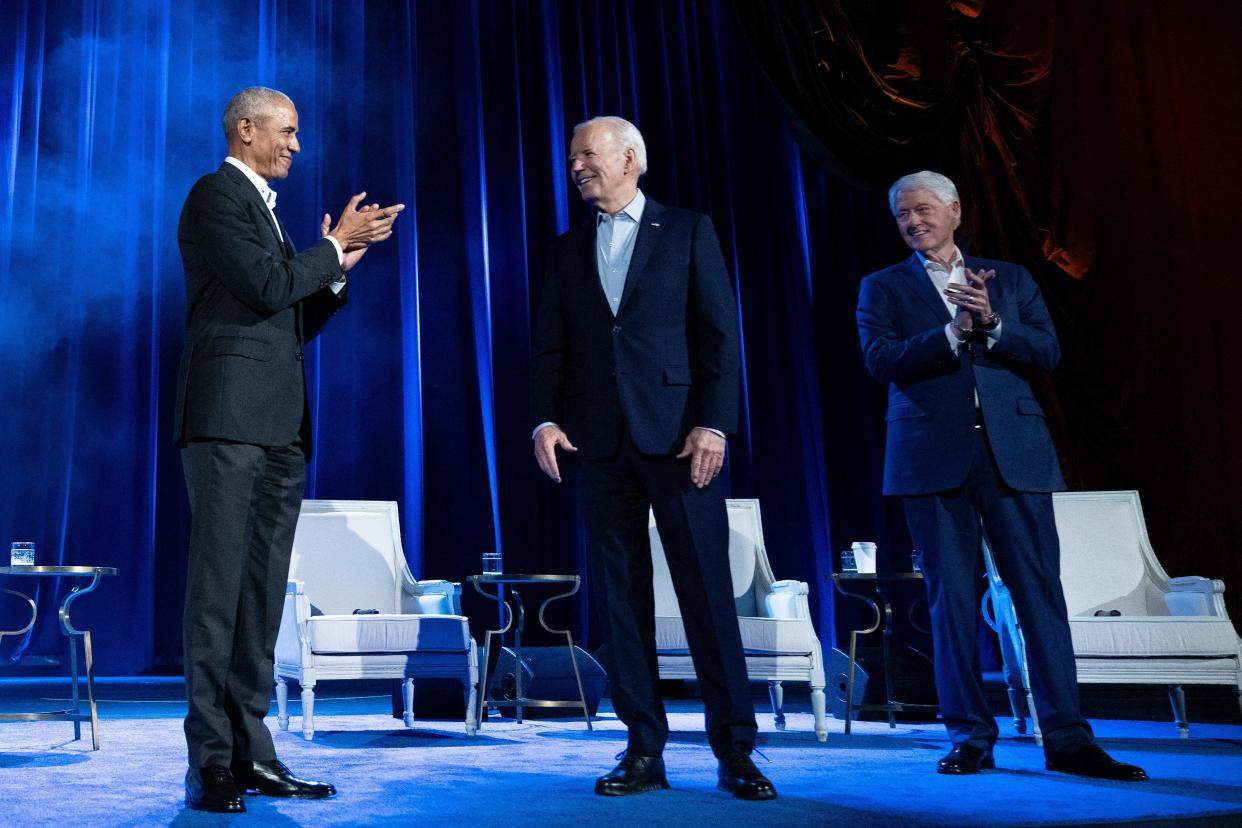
point(668, 362)
point(931, 390)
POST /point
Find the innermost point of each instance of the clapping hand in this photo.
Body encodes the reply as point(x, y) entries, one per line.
point(360, 227)
point(349, 258)
point(971, 299)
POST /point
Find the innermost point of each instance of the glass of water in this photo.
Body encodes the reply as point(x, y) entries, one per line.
point(848, 564)
point(492, 564)
point(22, 553)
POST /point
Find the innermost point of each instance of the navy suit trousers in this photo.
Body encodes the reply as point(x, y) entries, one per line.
point(1022, 534)
point(694, 531)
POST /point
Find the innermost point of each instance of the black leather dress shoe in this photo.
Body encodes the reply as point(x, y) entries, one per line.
point(272, 778)
point(635, 774)
point(965, 758)
point(1092, 761)
point(739, 776)
point(212, 789)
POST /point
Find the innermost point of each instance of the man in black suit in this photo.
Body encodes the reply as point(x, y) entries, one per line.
point(958, 340)
point(244, 431)
point(636, 368)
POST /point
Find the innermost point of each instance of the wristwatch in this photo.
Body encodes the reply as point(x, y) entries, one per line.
point(990, 324)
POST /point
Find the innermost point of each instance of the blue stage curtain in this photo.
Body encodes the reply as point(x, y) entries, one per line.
point(110, 111)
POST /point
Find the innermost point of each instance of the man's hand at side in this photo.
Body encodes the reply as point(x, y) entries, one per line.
point(706, 450)
point(546, 442)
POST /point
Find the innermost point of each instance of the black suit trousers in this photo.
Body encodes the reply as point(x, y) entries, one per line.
point(1022, 533)
point(244, 501)
point(694, 531)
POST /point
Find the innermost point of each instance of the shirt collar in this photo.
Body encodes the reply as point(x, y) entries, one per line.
point(266, 192)
point(632, 211)
point(929, 265)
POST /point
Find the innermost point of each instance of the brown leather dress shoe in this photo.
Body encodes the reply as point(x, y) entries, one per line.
point(1092, 761)
point(212, 789)
point(635, 774)
point(272, 778)
point(739, 776)
point(966, 758)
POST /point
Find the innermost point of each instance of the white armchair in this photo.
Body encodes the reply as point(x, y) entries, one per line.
point(1130, 622)
point(347, 556)
point(778, 638)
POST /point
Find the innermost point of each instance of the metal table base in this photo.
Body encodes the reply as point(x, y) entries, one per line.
point(885, 616)
point(520, 701)
point(74, 714)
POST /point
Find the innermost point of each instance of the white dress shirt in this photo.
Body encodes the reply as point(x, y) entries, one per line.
point(269, 198)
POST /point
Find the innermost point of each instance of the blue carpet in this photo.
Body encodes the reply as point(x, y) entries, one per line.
point(540, 773)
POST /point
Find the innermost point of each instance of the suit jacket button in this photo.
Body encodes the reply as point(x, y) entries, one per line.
point(616, 329)
point(298, 355)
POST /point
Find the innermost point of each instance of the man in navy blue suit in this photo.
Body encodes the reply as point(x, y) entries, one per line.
point(635, 368)
point(957, 339)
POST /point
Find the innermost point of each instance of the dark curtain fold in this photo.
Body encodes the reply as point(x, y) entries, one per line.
point(1094, 143)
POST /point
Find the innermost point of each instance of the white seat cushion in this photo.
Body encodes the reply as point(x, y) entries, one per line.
point(1153, 636)
point(760, 636)
point(388, 633)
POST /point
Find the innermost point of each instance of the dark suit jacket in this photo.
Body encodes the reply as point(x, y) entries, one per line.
point(668, 362)
point(931, 390)
point(251, 304)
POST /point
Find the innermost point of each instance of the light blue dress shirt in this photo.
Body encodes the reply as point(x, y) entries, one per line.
point(614, 247)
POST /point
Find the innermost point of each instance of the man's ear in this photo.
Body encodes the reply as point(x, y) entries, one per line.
point(630, 162)
point(245, 130)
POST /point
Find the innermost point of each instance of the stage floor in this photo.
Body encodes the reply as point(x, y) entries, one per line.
point(540, 773)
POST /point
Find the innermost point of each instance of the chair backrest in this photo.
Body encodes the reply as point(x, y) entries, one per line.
point(748, 562)
point(1107, 562)
point(348, 554)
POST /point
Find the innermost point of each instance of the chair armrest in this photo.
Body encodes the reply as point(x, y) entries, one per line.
point(297, 602)
point(292, 645)
point(432, 597)
point(1195, 583)
point(1194, 595)
point(787, 599)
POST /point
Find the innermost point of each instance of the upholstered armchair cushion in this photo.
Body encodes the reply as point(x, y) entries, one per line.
point(760, 636)
point(1153, 636)
point(388, 633)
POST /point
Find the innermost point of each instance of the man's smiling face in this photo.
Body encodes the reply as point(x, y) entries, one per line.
point(926, 223)
point(601, 169)
point(273, 142)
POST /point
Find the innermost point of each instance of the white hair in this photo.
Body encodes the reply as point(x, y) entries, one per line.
point(626, 135)
point(254, 103)
point(941, 186)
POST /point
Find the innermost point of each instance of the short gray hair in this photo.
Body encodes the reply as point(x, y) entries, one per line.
point(941, 186)
point(253, 102)
point(626, 134)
